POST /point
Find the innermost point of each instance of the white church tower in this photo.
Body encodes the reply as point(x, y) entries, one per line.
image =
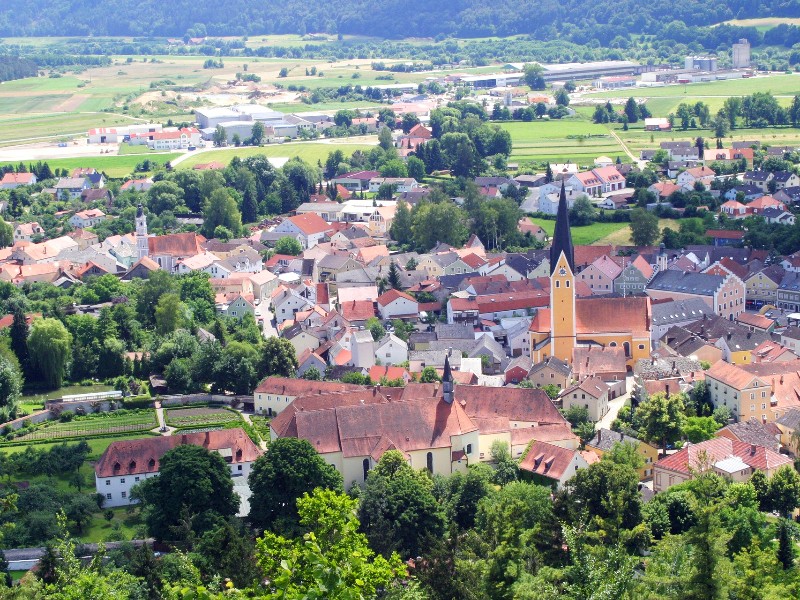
point(141, 233)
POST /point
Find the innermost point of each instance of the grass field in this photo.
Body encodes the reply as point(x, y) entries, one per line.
point(577, 139)
point(663, 100)
point(310, 152)
point(763, 24)
point(600, 234)
point(189, 417)
point(113, 166)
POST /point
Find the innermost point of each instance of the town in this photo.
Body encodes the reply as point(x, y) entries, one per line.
point(415, 366)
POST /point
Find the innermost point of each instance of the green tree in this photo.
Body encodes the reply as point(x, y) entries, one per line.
point(257, 135)
point(401, 225)
point(374, 326)
point(170, 313)
point(429, 375)
point(700, 429)
point(534, 76)
point(19, 336)
point(278, 358)
point(333, 561)
point(662, 417)
point(786, 544)
point(393, 276)
point(291, 468)
point(438, 222)
point(50, 345)
point(632, 110)
point(194, 488)
point(506, 469)
point(220, 136)
point(221, 209)
point(397, 510)
point(784, 491)
point(385, 140)
point(416, 168)
point(289, 246)
point(582, 211)
point(394, 168)
point(6, 234)
point(10, 389)
point(562, 97)
point(644, 227)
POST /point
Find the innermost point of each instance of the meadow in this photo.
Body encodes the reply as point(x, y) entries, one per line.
point(310, 152)
point(112, 166)
point(600, 234)
point(576, 140)
point(663, 100)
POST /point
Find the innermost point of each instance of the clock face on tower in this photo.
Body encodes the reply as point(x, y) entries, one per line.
point(562, 271)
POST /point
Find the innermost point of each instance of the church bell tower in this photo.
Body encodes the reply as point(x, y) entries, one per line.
point(141, 233)
point(562, 285)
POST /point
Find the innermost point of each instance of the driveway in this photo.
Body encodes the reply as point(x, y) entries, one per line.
point(616, 404)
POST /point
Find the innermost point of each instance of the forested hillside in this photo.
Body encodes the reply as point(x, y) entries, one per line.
point(544, 19)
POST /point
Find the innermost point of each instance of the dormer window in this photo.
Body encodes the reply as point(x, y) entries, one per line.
point(117, 467)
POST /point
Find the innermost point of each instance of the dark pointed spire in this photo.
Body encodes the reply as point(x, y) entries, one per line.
point(447, 375)
point(562, 237)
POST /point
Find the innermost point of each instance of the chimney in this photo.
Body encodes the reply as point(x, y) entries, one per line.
point(667, 392)
point(752, 449)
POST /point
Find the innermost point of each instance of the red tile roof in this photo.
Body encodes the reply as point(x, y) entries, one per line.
point(129, 457)
point(547, 460)
point(388, 297)
point(716, 449)
point(358, 310)
point(310, 223)
point(174, 244)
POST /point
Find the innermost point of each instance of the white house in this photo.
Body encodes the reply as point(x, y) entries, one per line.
point(87, 218)
point(395, 305)
point(125, 463)
point(391, 350)
point(286, 303)
point(24, 232)
point(689, 177)
point(401, 184)
point(592, 394)
point(309, 229)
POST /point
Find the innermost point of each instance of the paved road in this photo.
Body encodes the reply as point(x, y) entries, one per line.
point(615, 405)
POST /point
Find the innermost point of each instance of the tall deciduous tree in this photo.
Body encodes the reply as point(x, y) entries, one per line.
point(662, 417)
point(291, 468)
point(278, 357)
point(194, 488)
point(221, 209)
point(644, 227)
point(397, 509)
point(401, 225)
point(333, 560)
point(50, 345)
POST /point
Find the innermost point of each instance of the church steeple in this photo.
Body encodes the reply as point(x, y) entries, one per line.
point(141, 233)
point(447, 381)
point(562, 237)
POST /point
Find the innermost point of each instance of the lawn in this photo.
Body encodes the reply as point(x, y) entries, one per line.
point(98, 445)
point(584, 236)
point(622, 236)
point(125, 524)
point(300, 107)
point(190, 417)
point(663, 100)
point(56, 126)
point(577, 140)
point(113, 166)
point(96, 424)
point(310, 152)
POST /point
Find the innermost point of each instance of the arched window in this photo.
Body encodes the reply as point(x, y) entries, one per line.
point(430, 461)
point(567, 283)
point(627, 347)
point(613, 344)
point(365, 466)
point(558, 283)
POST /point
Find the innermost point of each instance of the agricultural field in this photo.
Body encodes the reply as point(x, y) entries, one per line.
point(113, 166)
point(310, 152)
point(663, 100)
point(601, 234)
point(198, 417)
point(763, 24)
point(577, 140)
point(96, 424)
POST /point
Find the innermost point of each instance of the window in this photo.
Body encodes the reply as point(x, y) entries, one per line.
point(136, 480)
point(108, 496)
point(239, 468)
point(365, 467)
point(641, 346)
point(558, 283)
point(108, 482)
point(469, 448)
point(124, 494)
point(122, 480)
point(763, 406)
point(567, 283)
point(429, 461)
